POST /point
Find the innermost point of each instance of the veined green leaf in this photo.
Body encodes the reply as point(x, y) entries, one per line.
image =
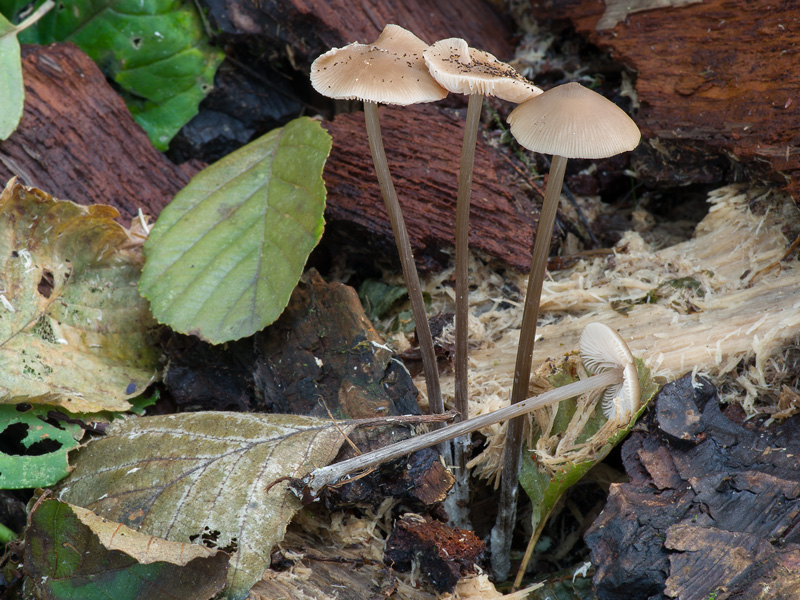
point(225, 255)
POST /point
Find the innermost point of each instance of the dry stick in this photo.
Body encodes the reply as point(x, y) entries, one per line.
point(507, 507)
point(459, 496)
point(319, 478)
point(406, 258)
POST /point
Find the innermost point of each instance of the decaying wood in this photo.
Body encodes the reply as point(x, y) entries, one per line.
point(306, 28)
point(323, 354)
point(693, 305)
point(718, 76)
point(78, 142)
point(423, 147)
point(420, 479)
point(712, 505)
point(444, 554)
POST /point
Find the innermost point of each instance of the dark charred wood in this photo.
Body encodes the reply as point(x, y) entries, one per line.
point(323, 354)
point(713, 504)
point(716, 79)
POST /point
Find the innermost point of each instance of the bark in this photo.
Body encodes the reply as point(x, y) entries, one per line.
point(717, 81)
point(307, 28)
point(77, 140)
point(423, 149)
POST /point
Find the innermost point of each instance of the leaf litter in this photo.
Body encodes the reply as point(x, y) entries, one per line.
point(74, 332)
point(70, 552)
point(216, 478)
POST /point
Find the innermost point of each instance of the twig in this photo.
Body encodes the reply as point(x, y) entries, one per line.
point(319, 478)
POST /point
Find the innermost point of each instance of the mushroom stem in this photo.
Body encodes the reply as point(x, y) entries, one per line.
point(462, 253)
point(507, 508)
point(458, 499)
point(321, 477)
point(406, 258)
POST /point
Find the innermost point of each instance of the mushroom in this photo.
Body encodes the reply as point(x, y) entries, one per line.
point(390, 70)
point(567, 121)
point(603, 352)
point(464, 70)
point(602, 349)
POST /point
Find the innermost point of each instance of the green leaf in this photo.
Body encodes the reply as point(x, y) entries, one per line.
point(545, 484)
point(378, 298)
point(225, 255)
point(40, 456)
point(141, 403)
point(12, 92)
point(156, 51)
point(73, 330)
point(72, 554)
point(215, 477)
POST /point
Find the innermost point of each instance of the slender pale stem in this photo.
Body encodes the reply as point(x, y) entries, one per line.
point(406, 258)
point(319, 478)
point(507, 507)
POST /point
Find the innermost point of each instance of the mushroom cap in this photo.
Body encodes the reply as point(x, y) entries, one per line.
point(391, 70)
point(602, 348)
point(573, 121)
point(464, 70)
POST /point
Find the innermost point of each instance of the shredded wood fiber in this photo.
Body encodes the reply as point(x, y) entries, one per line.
point(693, 306)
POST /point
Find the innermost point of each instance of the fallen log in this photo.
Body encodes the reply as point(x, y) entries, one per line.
point(423, 147)
point(78, 141)
point(717, 81)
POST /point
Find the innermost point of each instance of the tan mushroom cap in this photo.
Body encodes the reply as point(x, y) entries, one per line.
point(602, 348)
point(390, 71)
point(572, 121)
point(464, 70)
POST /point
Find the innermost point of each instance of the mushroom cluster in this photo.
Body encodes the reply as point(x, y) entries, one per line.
point(568, 121)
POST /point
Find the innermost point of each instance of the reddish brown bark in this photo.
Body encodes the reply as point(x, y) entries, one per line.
point(423, 147)
point(77, 140)
point(719, 74)
point(310, 27)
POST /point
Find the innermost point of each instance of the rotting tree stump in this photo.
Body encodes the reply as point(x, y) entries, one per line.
point(717, 80)
point(78, 141)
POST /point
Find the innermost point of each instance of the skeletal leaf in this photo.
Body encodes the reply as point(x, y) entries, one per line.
point(211, 477)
